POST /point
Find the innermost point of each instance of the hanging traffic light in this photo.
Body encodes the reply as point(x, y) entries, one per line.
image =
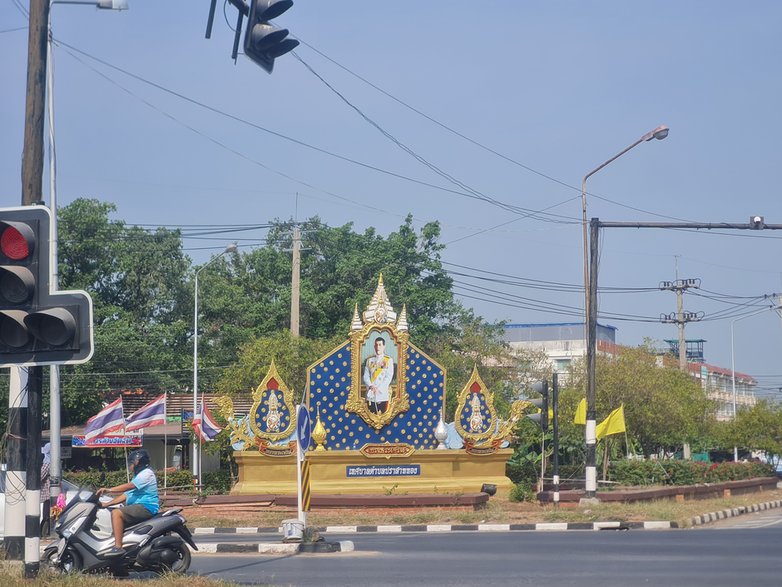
point(37, 327)
point(542, 416)
point(263, 42)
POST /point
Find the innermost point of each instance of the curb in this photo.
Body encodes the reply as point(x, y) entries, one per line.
point(438, 528)
point(731, 513)
point(275, 548)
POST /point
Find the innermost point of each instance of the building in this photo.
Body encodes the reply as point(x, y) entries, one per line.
point(563, 342)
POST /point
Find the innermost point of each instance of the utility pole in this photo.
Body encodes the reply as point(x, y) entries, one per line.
point(32, 186)
point(295, 283)
point(681, 317)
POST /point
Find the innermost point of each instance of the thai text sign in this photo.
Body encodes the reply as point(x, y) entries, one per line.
point(383, 470)
point(130, 440)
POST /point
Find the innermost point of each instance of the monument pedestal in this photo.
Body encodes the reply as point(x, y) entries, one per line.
point(351, 472)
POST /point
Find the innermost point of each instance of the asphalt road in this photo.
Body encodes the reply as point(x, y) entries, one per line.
point(734, 556)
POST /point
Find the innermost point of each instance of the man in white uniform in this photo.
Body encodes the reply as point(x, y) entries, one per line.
point(378, 373)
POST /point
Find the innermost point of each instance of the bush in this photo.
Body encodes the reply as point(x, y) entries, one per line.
point(675, 472)
point(217, 482)
point(95, 479)
point(523, 491)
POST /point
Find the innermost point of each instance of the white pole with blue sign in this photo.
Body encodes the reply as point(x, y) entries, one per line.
point(303, 429)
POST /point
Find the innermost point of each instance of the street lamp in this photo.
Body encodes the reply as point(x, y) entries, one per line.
point(590, 329)
point(55, 434)
point(733, 364)
point(229, 249)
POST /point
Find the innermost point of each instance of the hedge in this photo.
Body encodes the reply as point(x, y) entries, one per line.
point(675, 472)
point(95, 479)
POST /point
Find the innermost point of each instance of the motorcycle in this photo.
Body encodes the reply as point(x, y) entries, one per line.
point(159, 544)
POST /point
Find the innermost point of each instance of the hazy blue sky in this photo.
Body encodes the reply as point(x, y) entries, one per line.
point(556, 88)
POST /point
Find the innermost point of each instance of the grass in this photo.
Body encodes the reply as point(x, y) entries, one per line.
point(12, 577)
point(500, 510)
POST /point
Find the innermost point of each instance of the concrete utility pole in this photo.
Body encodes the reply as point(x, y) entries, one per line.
point(295, 283)
point(681, 317)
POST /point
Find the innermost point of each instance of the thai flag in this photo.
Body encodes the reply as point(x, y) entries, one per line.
point(152, 414)
point(109, 419)
point(204, 424)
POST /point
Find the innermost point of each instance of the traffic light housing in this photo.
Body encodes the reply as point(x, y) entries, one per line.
point(263, 42)
point(541, 403)
point(37, 326)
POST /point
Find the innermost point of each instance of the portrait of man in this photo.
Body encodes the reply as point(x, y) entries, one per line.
point(378, 375)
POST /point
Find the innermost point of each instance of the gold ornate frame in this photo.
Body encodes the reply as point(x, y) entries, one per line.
point(258, 397)
point(398, 399)
point(461, 402)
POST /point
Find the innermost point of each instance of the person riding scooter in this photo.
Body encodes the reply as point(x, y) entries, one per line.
point(140, 496)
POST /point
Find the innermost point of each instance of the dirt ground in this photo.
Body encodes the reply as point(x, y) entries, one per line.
point(499, 510)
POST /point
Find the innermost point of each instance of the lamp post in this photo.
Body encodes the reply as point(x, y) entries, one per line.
point(733, 365)
point(590, 326)
point(55, 434)
point(229, 249)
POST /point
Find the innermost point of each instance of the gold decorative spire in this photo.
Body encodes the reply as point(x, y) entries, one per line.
point(401, 325)
point(319, 433)
point(356, 323)
point(379, 309)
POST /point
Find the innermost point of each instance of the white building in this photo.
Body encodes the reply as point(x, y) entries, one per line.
point(565, 341)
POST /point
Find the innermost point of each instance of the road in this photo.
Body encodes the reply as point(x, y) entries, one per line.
point(733, 556)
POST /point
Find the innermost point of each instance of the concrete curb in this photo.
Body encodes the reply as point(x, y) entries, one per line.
point(731, 513)
point(438, 528)
point(274, 548)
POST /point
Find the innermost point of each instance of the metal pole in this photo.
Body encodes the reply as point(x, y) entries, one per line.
point(295, 284)
point(55, 421)
point(733, 384)
point(195, 468)
point(196, 465)
point(589, 430)
point(555, 410)
point(591, 424)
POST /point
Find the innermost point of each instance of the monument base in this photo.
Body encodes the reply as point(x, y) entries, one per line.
point(341, 472)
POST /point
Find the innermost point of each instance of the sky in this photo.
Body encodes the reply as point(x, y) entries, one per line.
point(482, 116)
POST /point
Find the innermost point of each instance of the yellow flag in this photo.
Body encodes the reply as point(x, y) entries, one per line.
point(614, 424)
point(581, 413)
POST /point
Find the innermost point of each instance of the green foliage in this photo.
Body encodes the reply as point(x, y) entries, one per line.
point(755, 428)
point(217, 482)
point(675, 472)
point(293, 355)
point(523, 491)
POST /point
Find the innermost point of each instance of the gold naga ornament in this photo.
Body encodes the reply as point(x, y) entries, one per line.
point(272, 417)
point(476, 418)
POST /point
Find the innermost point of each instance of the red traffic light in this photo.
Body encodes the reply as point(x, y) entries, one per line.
point(17, 241)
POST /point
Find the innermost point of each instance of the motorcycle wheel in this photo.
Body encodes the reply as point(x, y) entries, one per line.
point(182, 563)
point(69, 562)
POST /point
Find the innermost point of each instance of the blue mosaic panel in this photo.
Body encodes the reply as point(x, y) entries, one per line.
point(467, 410)
point(282, 409)
point(330, 383)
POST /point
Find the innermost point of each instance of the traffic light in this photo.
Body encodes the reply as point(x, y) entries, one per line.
point(37, 327)
point(263, 42)
point(541, 403)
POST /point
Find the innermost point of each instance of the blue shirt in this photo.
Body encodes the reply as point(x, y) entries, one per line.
point(145, 492)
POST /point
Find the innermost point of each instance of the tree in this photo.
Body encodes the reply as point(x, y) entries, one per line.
point(755, 428)
point(664, 407)
point(137, 281)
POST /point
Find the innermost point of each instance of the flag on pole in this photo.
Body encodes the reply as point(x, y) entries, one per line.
point(581, 413)
point(109, 419)
point(613, 424)
point(151, 414)
point(204, 424)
